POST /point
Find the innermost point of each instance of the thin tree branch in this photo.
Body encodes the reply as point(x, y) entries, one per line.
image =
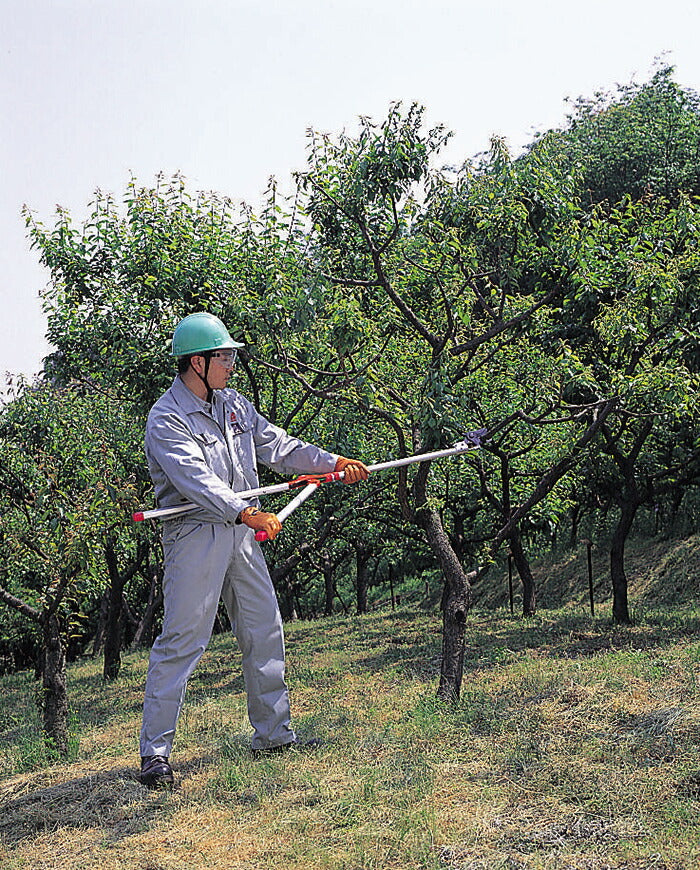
point(555, 473)
point(16, 603)
point(502, 325)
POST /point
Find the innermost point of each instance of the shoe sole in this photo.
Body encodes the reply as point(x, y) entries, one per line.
point(165, 784)
point(157, 782)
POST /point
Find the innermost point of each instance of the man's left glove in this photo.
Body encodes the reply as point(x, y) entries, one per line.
point(353, 468)
point(261, 521)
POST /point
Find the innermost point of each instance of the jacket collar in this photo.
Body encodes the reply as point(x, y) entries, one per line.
point(187, 400)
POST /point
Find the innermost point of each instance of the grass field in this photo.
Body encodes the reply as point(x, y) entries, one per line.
point(576, 744)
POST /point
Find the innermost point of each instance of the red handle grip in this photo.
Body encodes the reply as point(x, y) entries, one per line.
point(261, 535)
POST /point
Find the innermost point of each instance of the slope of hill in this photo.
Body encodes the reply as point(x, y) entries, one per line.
point(660, 573)
point(575, 744)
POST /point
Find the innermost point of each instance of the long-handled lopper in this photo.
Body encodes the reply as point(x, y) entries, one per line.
point(311, 482)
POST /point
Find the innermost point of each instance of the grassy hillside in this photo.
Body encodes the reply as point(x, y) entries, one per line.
point(576, 744)
point(661, 573)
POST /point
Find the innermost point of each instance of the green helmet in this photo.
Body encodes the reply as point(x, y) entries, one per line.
point(200, 332)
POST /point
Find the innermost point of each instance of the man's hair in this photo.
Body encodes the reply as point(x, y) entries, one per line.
point(183, 362)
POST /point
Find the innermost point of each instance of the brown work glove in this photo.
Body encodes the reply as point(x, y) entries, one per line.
point(353, 468)
point(261, 521)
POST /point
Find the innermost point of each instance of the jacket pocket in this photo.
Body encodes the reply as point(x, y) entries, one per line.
point(176, 530)
point(205, 440)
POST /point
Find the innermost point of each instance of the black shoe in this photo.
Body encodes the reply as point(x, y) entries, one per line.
point(297, 745)
point(156, 772)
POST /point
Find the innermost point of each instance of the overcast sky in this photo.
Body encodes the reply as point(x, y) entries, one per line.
point(93, 91)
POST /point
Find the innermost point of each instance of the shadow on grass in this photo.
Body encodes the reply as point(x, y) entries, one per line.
point(491, 642)
point(332, 634)
point(112, 801)
point(98, 702)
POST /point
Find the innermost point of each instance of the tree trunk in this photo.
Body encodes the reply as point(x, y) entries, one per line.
point(288, 601)
point(114, 623)
point(54, 695)
point(630, 499)
point(523, 566)
point(145, 634)
point(574, 519)
point(282, 579)
point(361, 561)
point(99, 640)
point(328, 584)
point(457, 601)
point(617, 561)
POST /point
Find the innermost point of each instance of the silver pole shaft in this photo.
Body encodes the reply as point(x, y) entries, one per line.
point(421, 457)
point(288, 509)
point(162, 513)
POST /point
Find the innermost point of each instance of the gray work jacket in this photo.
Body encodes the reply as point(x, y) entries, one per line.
point(204, 453)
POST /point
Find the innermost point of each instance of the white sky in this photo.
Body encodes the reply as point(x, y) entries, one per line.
point(92, 91)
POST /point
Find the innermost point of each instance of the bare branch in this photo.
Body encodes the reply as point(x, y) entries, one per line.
point(16, 603)
point(30, 544)
point(502, 325)
point(395, 230)
point(555, 473)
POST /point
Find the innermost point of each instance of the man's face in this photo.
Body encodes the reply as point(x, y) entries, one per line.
point(220, 367)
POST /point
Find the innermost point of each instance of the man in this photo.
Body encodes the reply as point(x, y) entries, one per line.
point(203, 442)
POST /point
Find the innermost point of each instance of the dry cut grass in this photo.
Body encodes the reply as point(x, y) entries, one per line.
point(575, 745)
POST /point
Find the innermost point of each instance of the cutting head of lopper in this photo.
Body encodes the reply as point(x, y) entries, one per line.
point(474, 439)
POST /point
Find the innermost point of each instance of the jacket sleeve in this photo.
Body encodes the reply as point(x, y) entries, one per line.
point(176, 462)
point(284, 453)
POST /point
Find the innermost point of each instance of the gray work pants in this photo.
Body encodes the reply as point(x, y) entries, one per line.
point(203, 563)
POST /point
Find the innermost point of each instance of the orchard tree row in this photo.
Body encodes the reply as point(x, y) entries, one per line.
point(386, 308)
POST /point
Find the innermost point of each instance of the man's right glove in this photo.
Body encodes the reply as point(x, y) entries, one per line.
point(260, 521)
point(353, 468)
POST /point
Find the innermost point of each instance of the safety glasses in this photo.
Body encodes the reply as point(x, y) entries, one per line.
point(226, 358)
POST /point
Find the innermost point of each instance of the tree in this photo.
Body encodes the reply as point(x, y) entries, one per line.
point(644, 261)
point(62, 487)
point(638, 141)
point(434, 279)
point(389, 307)
point(122, 280)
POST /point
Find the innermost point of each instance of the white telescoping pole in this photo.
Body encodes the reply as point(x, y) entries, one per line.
point(166, 512)
point(288, 509)
point(310, 488)
point(461, 447)
point(471, 441)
